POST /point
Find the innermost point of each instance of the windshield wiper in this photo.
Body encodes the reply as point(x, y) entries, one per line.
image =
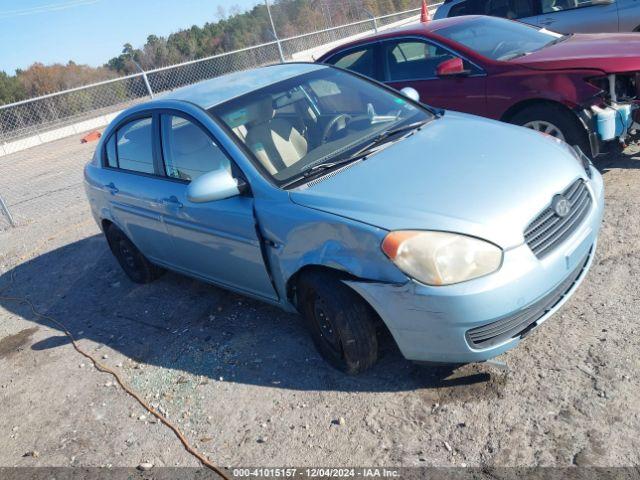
point(558, 40)
point(384, 137)
point(365, 151)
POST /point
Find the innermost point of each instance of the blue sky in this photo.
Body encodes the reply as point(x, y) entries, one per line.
point(92, 31)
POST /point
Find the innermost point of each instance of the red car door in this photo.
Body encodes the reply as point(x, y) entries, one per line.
point(413, 62)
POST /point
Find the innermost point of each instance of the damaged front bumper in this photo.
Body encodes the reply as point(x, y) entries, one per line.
point(477, 320)
point(612, 119)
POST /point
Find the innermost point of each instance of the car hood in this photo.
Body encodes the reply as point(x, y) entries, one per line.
point(610, 53)
point(460, 173)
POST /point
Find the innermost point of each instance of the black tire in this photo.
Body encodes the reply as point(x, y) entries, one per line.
point(565, 121)
point(132, 261)
point(341, 323)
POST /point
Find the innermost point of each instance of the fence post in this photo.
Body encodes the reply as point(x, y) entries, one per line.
point(5, 209)
point(144, 77)
point(275, 34)
point(373, 17)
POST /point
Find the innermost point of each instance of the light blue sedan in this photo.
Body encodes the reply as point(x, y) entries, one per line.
point(323, 192)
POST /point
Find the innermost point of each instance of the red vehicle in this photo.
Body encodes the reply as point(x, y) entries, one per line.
point(570, 86)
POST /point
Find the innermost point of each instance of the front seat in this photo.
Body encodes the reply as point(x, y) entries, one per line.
point(276, 142)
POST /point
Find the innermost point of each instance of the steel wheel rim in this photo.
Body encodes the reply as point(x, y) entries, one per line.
point(545, 127)
point(127, 255)
point(326, 327)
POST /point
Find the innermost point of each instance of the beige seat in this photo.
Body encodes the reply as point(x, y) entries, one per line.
point(276, 142)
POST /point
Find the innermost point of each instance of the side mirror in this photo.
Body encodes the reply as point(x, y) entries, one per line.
point(411, 93)
point(451, 67)
point(215, 185)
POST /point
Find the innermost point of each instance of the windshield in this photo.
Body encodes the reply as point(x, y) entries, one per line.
point(499, 39)
point(310, 119)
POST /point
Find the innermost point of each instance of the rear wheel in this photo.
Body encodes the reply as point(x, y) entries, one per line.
point(553, 121)
point(132, 261)
point(341, 323)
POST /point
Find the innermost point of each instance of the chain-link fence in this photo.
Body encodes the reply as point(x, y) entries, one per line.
point(36, 182)
point(34, 121)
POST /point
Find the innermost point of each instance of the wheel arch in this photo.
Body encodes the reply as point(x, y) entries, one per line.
point(345, 277)
point(513, 110)
point(292, 281)
point(519, 107)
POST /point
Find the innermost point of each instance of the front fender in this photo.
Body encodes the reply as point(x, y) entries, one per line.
point(298, 237)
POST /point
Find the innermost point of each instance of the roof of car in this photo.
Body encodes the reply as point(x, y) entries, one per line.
point(215, 91)
point(414, 28)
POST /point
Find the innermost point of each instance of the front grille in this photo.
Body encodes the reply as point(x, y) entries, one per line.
point(548, 230)
point(526, 319)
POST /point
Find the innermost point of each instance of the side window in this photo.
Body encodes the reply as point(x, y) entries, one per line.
point(134, 146)
point(110, 149)
point(510, 9)
point(468, 7)
point(551, 6)
point(188, 151)
point(413, 59)
point(360, 61)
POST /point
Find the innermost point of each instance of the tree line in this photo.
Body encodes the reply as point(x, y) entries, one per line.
point(231, 29)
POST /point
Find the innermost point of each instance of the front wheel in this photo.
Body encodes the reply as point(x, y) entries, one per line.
point(553, 121)
point(341, 323)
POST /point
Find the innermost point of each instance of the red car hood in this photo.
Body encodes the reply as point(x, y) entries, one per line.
point(610, 53)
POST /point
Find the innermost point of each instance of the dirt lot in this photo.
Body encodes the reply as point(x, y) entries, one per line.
point(243, 381)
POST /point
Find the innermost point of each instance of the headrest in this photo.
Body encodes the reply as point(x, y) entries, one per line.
point(260, 111)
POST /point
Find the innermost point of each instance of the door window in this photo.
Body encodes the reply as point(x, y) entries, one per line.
point(413, 60)
point(188, 151)
point(468, 7)
point(133, 147)
point(511, 9)
point(360, 60)
point(551, 6)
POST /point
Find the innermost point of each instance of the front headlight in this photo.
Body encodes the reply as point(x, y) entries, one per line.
point(440, 258)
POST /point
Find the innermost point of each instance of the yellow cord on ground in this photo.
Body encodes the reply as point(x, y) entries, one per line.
point(106, 369)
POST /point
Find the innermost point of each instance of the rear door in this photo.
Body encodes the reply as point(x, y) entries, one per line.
point(413, 61)
point(133, 186)
point(578, 16)
point(216, 241)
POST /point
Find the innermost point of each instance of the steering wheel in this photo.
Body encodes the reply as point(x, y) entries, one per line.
point(337, 123)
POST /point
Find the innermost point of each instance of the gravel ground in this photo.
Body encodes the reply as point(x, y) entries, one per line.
point(242, 379)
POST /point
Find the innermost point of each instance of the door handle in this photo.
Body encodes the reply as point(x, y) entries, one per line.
point(111, 188)
point(172, 201)
point(547, 21)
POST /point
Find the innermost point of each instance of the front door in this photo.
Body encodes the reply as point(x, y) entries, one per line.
point(216, 241)
point(578, 16)
point(412, 62)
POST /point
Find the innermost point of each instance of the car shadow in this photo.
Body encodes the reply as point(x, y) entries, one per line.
point(186, 325)
point(613, 161)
